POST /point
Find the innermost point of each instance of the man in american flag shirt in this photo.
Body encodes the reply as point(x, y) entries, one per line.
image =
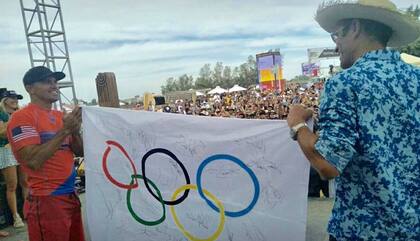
point(45, 141)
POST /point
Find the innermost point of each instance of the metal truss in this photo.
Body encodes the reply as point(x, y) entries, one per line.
point(47, 44)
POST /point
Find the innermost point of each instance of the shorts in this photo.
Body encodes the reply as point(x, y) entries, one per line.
point(54, 218)
point(7, 159)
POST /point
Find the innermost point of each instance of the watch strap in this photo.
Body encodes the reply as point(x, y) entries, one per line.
point(298, 126)
point(295, 129)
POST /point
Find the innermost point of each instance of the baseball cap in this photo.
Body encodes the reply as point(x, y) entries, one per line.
point(40, 73)
point(10, 94)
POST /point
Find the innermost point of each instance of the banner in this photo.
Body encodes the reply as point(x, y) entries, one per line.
point(310, 69)
point(161, 176)
point(270, 68)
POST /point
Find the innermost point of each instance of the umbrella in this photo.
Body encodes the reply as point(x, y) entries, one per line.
point(236, 88)
point(217, 90)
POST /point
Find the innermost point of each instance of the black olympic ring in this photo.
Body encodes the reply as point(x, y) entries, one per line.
point(184, 170)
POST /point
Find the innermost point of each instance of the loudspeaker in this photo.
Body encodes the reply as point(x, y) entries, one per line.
point(159, 100)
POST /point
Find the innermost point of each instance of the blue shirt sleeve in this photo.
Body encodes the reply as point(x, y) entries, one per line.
point(337, 122)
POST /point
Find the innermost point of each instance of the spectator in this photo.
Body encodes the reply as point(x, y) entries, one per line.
point(8, 163)
point(44, 142)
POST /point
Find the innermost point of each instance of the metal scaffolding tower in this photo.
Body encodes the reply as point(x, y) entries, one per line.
point(46, 39)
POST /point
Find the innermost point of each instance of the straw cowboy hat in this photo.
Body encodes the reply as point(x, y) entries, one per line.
point(406, 29)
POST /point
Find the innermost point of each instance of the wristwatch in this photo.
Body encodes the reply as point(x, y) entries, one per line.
point(294, 130)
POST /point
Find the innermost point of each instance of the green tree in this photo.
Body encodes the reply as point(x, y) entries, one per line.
point(253, 71)
point(236, 76)
point(216, 74)
point(414, 11)
point(413, 48)
point(169, 85)
point(184, 82)
point(246, 74)
point(204, 79)
point(227, 78)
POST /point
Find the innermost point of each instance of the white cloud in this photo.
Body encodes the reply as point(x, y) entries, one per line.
point(145, 42)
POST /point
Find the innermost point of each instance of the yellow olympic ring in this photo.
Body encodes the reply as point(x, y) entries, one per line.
point(214, 199)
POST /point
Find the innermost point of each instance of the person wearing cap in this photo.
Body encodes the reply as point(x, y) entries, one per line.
point(8, 163)
point(369, 122)
point(45, 142)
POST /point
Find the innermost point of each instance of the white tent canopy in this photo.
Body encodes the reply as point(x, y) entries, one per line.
point(217, 90)
point(198, 93)
point(236, 88)
point(410, 59)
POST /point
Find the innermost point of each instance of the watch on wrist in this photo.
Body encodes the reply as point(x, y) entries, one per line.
point(294, 130)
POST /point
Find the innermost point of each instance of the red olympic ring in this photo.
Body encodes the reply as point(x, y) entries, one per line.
point(108, 175)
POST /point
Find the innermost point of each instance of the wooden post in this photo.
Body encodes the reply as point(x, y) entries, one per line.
point(106, 85)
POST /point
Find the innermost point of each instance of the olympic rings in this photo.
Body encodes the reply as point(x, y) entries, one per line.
point(219, 229)
point(170, 154)
point(130, 208)
point(241, 164)
point(105, 167)
point(218, 206)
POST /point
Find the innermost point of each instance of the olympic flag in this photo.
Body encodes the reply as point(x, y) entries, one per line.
point(159, 176)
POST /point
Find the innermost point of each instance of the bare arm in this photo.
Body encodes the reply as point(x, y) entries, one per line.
point(36, 155)
point(307, 140)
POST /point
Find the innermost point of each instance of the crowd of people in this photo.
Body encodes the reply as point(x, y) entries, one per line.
point(256, 104)
point(368, 132)
point(250, 104)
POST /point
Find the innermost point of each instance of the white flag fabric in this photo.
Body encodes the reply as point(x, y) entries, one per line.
point(160, 176)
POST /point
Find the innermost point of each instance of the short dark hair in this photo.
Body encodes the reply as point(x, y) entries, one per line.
point(376, 30)
point(380, 32)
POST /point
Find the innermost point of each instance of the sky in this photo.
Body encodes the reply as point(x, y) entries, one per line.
point(146, 42)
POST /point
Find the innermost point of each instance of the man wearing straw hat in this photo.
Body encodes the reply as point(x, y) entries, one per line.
point(369, 124)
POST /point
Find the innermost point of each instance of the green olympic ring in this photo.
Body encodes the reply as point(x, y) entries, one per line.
point(130, 208)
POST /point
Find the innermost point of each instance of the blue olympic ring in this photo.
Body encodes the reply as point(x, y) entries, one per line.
point(241, 164)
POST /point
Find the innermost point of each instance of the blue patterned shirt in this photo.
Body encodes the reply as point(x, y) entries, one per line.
point(370, 131)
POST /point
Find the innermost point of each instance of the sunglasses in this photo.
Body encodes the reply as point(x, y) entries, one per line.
point(340, 33)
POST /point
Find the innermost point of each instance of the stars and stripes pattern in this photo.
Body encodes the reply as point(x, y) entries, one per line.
point(23, 132)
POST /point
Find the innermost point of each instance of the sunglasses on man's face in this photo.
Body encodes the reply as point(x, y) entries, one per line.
point(340, 33)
